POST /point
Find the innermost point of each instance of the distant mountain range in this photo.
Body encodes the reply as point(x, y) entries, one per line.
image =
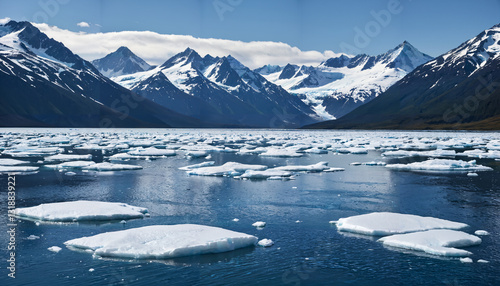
point(220, 90)
point(457, 90)
point(43, 83)
point(340, 84)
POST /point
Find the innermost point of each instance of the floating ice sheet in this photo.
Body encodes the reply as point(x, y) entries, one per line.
point(441, 242)
point(163, 241)
point(386, 223)
point(81, 211)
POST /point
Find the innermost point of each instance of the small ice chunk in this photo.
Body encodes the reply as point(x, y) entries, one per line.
point(472, 174)
point(33, 237)
point(356, 164)
point(482, 261)
point(236, 219)
point(55, 249)
point(333, 222)
point(481, 232)
point(163, 241)
point(386, 223)
point(265, 242)
point(91, 270)
point(259, 224)
point(80, 211)
point(441, 242)
point(466, 260)
point(70, 173)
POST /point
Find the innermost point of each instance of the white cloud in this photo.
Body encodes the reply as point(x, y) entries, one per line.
point(4, 21)
point(83, 25)
point(157, 48)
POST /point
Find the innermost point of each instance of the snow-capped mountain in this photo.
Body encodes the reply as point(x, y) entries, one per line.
point(340, 84)
point(121, 62)
point(232, 93)
point(456, 90)
point(42, 83)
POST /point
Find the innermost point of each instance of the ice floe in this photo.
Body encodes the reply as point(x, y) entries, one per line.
point(259, 224)
point(387, 223)
point(441, 165)
point(481, 232)
point(228, 169)
point(106, 166)
point(274, 173)
point(265, 242)
point(16, 169)
point(80, 211)
point(196, 166)
point(151, 151)
point(443, 242)
point(12, 162)
point(163, 241)
point(68, 157)
point(55, 249)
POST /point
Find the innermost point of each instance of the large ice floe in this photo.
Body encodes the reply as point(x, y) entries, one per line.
point(106, 166)
point(441, 165)
point(163, 242)
point(17, 169)
point(386, 223)
point(441, 242)
point(68, 157)
point(228, 169)
point(12, 162)
point(81, 211)
point(428, 234)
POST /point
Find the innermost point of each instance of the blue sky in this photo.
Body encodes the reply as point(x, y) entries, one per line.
point(434, 27)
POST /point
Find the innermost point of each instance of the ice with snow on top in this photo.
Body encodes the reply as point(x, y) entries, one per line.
point(318, 167)
point(12, 162)
point(482, 261)
point(472, 174)
point(440, 165)
point(466, 260)
point(266, 174)
point(441, 242)
point(105, 166)
point(278, 152)
point(55, 249)
point(15, 169)
point(197, 153)
point(387, 223)
point(481, 232)
point(433, 153)
point(151, 151)
point(70, 165)
point(163, 241)
point(333, 169)
point(196, 166)
point(228, 169)
point(68, 157)
point(353, 150)
point(265, 242)
point(259, 224)
point(80, 211)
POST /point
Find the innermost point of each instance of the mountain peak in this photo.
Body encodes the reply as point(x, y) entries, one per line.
point(124, 51)
point(120, 62)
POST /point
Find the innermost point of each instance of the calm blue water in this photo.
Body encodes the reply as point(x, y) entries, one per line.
point(311, 252)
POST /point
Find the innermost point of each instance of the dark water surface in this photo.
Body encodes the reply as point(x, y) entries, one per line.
point(309, 252)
